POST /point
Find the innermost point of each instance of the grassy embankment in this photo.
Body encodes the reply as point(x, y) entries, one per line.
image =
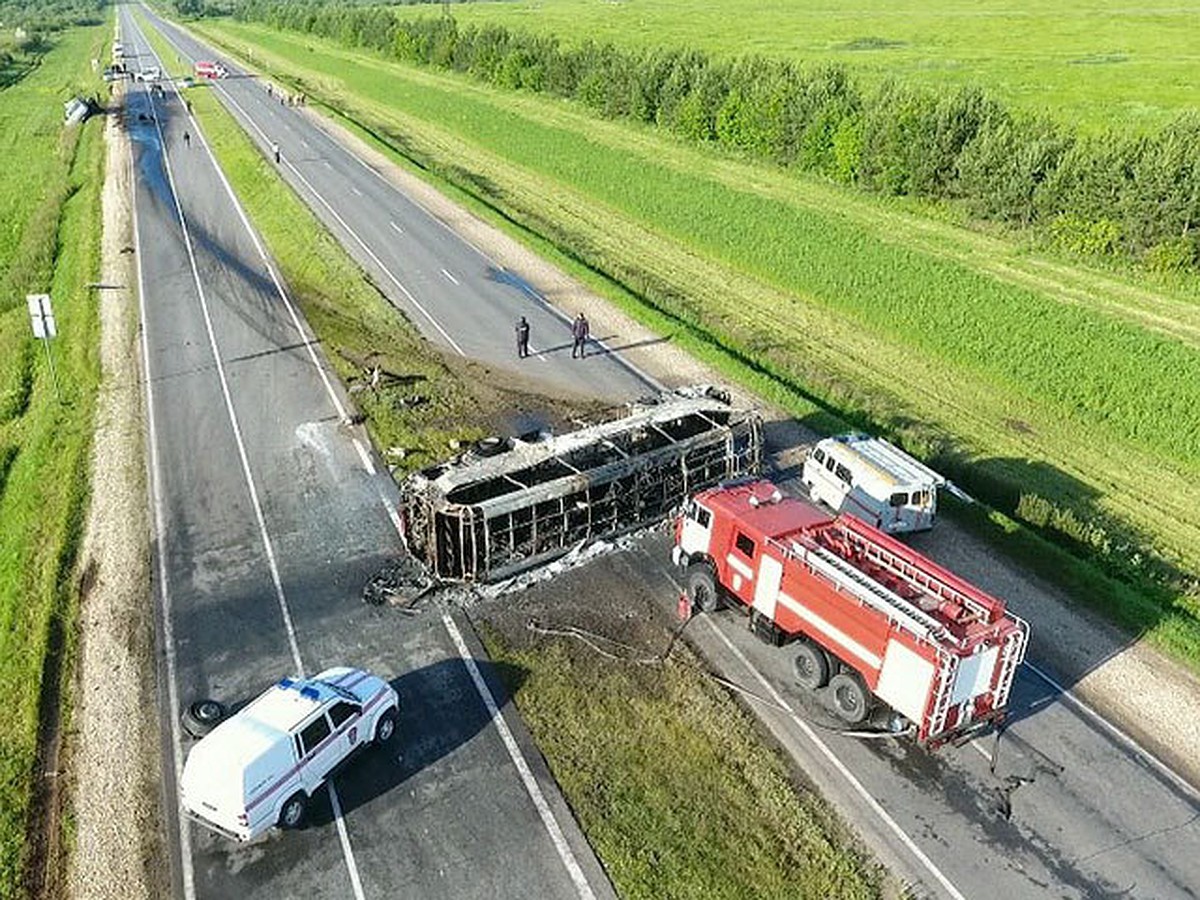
point(1049, 388)
point(1085, 62)
point(657, 794)
point(49, 242)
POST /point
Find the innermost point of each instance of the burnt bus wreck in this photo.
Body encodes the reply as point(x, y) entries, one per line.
point(487, 518)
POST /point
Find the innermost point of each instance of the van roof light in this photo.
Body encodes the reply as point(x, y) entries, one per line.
point(286, 683)
point(310, 692)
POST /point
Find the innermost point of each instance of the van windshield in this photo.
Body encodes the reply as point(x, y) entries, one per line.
point(340, 691)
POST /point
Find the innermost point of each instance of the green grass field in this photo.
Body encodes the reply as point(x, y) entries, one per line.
point(622, 791)
point(49, 241)
point(1088, 62)
point(1054, 387)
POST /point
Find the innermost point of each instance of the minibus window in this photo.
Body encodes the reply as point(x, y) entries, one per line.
point(819, 455)
point(844, 474)
point(898, 499)
point(920, 498)
point(830, 463)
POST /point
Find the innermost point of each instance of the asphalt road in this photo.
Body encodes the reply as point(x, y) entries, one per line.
point(270, 516)
point(1059, 807)
point(455, 294)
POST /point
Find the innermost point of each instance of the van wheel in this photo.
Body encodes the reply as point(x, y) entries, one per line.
point(385, 727)
point(810, 666)
point(203, 716)
point(291, 816)
point(702, 588)
point(851, 702)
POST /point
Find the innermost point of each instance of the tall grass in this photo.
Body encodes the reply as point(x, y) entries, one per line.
point(50, 186)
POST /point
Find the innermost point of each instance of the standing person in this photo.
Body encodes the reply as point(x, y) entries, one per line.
point(522, 338)
point(579, 331)
point(270, 91)
point(275, 150)
point(187, 139)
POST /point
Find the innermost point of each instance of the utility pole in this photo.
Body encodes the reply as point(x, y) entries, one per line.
point(41, 317)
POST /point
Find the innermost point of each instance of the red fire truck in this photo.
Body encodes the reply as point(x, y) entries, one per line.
point(209, 70)
point(866, 617)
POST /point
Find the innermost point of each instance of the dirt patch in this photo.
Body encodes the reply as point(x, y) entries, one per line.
point(113, 753)
point(1143, 693)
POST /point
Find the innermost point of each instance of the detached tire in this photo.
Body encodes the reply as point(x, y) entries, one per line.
point(293, 812)
point(810, 666)
point(203, 716)
point(385, 728)
point(851, 700)
point(702, 588)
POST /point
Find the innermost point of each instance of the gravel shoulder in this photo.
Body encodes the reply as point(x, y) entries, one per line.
point(1145, 694)
point(118, 850)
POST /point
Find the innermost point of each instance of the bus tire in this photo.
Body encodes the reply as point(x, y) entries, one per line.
point(810, 666)
point(851, 699)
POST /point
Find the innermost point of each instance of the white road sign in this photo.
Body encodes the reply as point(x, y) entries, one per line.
point(41, 315)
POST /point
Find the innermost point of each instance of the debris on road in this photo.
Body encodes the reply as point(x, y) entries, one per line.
point(507, 506)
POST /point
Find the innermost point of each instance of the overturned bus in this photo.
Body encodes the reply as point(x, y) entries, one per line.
point(485, 518)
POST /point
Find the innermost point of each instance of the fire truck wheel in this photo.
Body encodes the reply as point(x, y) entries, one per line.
point(810, 665)
point(702, 588)
point(851, 701)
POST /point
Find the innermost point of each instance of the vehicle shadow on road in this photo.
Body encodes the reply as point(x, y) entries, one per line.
point(440, 712)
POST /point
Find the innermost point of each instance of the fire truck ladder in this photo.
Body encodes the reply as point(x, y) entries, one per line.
point(947, 672)
point(1011, 655)
point(922, 580)
point(871, 592)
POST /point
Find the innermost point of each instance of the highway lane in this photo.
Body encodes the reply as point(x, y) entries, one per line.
point(269, 518)
point(454, 293)
point(1069, 811)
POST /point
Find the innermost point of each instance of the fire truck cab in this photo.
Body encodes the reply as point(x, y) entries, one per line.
point(865, 617)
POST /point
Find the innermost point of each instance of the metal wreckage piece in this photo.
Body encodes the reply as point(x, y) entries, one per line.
point(482, 518)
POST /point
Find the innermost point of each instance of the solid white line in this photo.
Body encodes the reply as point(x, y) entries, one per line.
point(364, 456)
point(514, 752)
point(361, 243)
point(396, 227)
point(160, 532)
point(356, 190)
point(453, 280)
point(344, 837)
point(1131, 743)
point(842, 769)
point(243, 456)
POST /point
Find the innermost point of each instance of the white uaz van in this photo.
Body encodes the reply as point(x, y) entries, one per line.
point(876, 481)
point(259, 767)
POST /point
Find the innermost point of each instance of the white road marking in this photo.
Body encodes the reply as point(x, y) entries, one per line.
point(453, 280)
point(364, 456)
point(160, 532)
point(326, 163)
point(356, 190)
point(510, 744)
point(350, 231)
point(845, 772)
point(396, 228)
point(348, 853)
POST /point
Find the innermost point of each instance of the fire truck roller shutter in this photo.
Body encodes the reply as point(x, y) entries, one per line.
point(974, 675)
point(766, 591)
point(905, 681)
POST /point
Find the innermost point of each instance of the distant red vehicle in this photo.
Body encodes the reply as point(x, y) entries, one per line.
point(210, 70)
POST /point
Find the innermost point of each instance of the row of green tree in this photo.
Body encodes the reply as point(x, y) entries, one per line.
point(1104, 194)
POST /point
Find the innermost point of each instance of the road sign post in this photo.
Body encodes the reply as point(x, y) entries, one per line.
point(41, 317)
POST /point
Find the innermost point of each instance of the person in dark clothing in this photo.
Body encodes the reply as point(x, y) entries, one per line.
point(579, 331)
point(522, 338)
point(275, 150)
point(187, 139)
